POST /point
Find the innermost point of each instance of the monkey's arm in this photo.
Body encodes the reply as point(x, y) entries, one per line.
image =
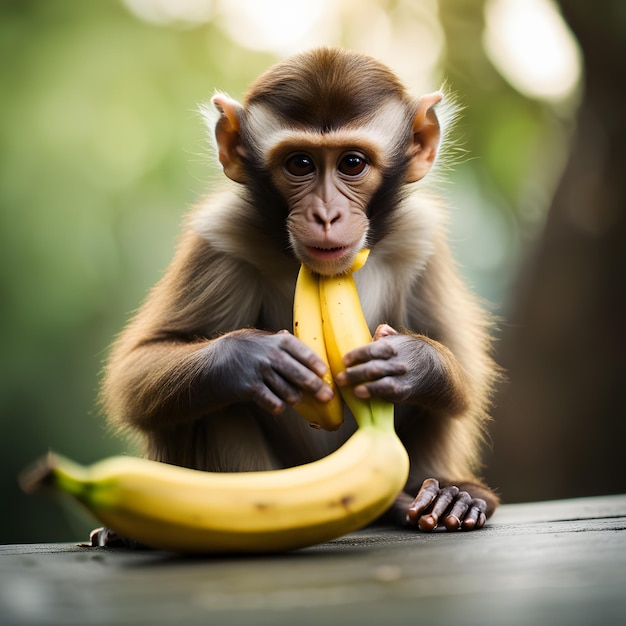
point(191, 350)
point(162, 383)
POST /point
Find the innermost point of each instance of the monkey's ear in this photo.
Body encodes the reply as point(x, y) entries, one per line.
point(426, 135)
point(228, 139)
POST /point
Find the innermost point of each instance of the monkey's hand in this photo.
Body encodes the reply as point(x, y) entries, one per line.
point(269, 369)
point(404, 368)
point(454, 508)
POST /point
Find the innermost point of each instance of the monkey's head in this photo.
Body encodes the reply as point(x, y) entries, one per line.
point(332, 137)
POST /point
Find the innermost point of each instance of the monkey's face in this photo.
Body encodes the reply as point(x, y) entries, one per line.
point(337, 137)
point(327, 177)
point(327, 181)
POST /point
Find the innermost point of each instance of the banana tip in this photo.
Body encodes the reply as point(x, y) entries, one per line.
point(39, 475)
point(359, 260)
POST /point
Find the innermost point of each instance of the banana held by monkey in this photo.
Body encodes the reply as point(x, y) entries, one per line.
point(345, 328)
point(184, 510)
point(307, 326)
point(329, 319)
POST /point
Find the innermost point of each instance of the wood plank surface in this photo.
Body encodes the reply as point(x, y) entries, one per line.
point(548, 563)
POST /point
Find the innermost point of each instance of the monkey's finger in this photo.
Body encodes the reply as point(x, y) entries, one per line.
point(441, 504)
point(300, 379)
point(475, 516)
point(424, 498)
point(297, 362)
point(374, 350)
point(391, 388)
point(265, 398)
point(302, 353)
point(460, 507)
point(386, 373)
point(273, 392)
point(429, 520)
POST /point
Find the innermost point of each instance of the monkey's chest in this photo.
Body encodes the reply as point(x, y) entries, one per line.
point(276, 310)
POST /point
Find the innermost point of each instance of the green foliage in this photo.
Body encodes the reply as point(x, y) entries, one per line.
point(101, 154)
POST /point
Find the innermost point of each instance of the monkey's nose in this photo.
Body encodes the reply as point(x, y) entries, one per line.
point(326, 222)
point(325, 216)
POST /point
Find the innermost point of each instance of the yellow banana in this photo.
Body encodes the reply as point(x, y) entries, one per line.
point(345, 328)
point(307, 326)
point(185, 510)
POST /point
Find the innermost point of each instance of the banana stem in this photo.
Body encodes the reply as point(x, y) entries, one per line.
point(382, 414)
point(56, 472)
point(361, 409)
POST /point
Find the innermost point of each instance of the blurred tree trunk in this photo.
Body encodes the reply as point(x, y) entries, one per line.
point(560, 423)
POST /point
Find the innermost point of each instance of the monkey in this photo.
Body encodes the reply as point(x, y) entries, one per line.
point(325, 155)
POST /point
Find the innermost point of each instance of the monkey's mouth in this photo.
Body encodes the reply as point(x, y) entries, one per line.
point(329, 253)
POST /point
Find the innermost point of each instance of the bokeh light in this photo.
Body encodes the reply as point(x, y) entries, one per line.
point(532, 47)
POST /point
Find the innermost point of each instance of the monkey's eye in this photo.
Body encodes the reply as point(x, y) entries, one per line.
point(300, 165)
point(352, 165)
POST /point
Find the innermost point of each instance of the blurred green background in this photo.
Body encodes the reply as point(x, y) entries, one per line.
point(102, 152)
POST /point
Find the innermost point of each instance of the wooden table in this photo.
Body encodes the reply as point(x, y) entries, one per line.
point(548, 563)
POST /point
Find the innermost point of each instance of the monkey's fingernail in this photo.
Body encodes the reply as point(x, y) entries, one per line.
point(362, 392)
point(341, 379)
point(427, 523)
point(414, 513)
point(452, 522)
point(321, 369)
point(325, 394)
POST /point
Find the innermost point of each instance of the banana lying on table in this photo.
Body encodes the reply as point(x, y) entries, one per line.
point(185, 510)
